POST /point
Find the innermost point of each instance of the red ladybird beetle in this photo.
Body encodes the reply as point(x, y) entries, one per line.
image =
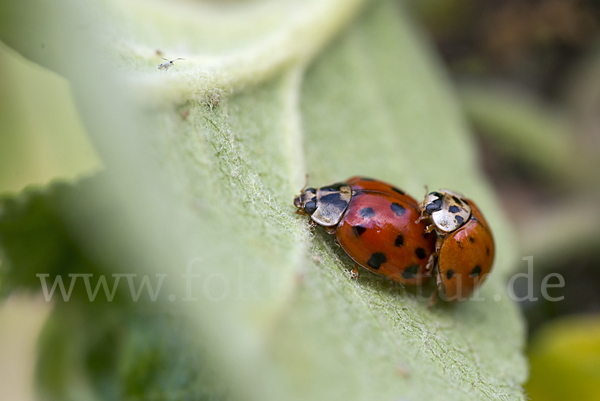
point(375, 223)
point(464, 250)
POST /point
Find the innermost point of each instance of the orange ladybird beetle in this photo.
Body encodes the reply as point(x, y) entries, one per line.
point(464, 250)
point(376, 224)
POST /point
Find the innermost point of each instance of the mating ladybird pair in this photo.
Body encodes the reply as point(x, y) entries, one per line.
point(388, 232)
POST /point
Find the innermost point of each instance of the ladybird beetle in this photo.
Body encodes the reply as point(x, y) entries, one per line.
point(375, 223)
point(464, 250)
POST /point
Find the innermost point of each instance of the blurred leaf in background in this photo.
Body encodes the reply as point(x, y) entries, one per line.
point(565, 360)
point(41, 134)
point(201, 164)
point(41, 139)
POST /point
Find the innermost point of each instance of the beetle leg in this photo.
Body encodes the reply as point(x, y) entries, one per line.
point(431, 262)
point(433, 298)
point(354, 272)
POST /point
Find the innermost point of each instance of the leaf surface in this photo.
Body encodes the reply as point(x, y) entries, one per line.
point(202, 165)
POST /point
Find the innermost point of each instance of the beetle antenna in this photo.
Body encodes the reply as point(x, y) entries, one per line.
point(305, 183)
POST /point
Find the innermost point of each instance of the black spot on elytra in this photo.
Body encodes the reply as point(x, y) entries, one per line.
point(449, 274)
point(459, 219)
point(487, 251)
point(434, 206)
point(420, 252)
point(401, 192)
point(376, 260)
point(334, 187)
point(331, 198)
point(358, 230)
point(472, 240)
point(366, 179)
point(459, 244)
point(426, 235)
point(476, 271)
point(334, 200)
point(453, 209)
point(367, 212)
point(398, 209)
point(410, 271)
point(310, 207)
point(399, 240)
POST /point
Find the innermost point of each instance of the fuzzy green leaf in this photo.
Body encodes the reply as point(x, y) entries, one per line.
point(202, 164)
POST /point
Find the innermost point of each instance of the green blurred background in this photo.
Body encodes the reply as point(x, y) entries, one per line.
point(41, 139)
point(528, 76)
